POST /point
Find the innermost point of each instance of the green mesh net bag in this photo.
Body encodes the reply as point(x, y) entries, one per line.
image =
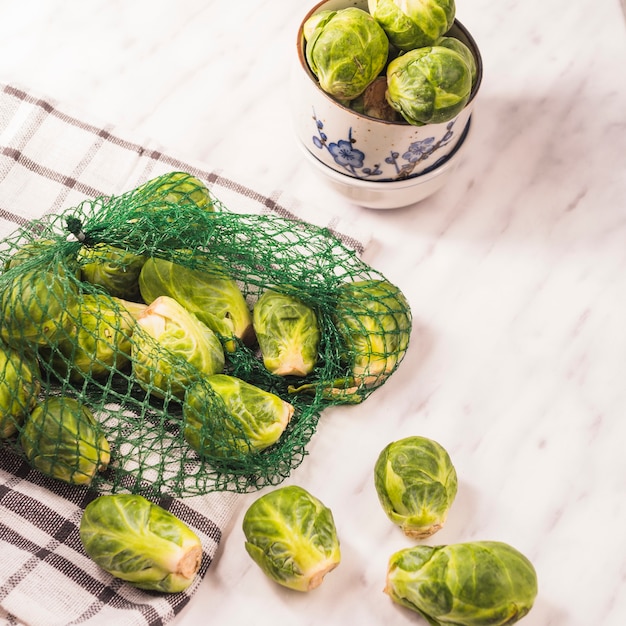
point(155, 342)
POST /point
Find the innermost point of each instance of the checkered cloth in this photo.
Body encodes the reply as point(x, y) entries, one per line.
point(51, 160)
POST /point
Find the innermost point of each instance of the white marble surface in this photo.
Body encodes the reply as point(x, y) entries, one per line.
point(516, 274)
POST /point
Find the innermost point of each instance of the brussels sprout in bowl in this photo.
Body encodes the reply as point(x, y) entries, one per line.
point(382, 149)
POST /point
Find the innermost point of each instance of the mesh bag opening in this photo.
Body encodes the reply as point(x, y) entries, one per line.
point(133, 355)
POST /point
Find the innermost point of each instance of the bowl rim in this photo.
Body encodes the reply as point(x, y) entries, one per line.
point(438, 168)
point(300, 48)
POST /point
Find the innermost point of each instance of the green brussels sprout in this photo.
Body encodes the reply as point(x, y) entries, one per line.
point(171, 333)
point(413, 24)
point(416, 484)
point(458, 46)
point(35, 306)
point(346, 51)
point(140, 542)
point(28, 251)
point(175, 205)
point(314, 21)
point(114, 269)
point(99, 340)
point(214, 298)
point(176, 188)
point(257, 417)
point(292, 537)
point(481, 583)
point(34, 249)
point(288, 334)
point(19, 386)
point(62, 439)
point(374, 320)
point(429, 85)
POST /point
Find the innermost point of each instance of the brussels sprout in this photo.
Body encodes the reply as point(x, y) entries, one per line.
point(314, 21)
point(458, 46)
point(34, 307)
point(114, 269)
point(176, 188)
point(28, 251)
point(171, 333)
point(34, 249)
point(416, 484)
point(62, 439)
point(339, 391)
point(130, 311)
point(481, 583)
point(292, 537)
point(214, 298)
point(346, 51)
point(170, 210)
point(374, 320)
point(99, 340)
point(413, 24)
point(140, 542)
point(429, 85)
point(288, 334)
point(19, 386)
point(257, 417)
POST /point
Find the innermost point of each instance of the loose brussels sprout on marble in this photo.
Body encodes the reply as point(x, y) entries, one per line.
point(140, 542)
point(374, 320)
point(114, 269)
point(166, 335)
point(19, 386)
point(416, 484)
point(429, 85)
point(346, 50)
point(99, 339)
point(481, 583)
point(62, 439)
point(255, 418)
point(288, 334)
point(35, 306)
point(413, 24)
point(292, 537)
point(213, 297)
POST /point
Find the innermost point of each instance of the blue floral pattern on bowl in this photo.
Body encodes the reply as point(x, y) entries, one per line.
point(347, 156)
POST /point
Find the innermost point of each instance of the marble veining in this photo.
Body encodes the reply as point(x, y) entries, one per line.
point(515, 272)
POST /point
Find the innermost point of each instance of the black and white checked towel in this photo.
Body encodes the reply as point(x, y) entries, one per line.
point(51, 160)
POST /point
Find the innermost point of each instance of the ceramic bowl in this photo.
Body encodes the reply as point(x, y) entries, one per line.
point(350, 148)
point(392, 194)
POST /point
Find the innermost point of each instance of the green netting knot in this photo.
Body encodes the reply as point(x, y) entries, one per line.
point(75, 227)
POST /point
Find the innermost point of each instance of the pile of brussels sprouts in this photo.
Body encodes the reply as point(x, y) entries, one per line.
point(169, 327)
point(292, 536)
point(395, 62)
point(75, 317)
